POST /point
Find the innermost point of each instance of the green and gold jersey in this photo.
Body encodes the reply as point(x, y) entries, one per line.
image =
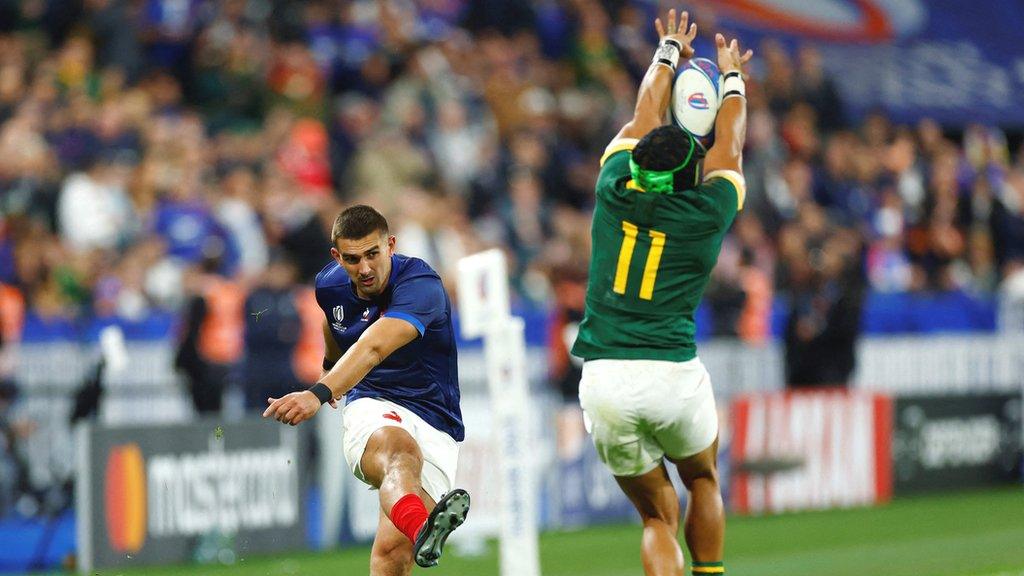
point(652, 256)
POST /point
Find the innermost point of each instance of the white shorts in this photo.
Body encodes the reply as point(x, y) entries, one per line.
point(639, 411)
point(365, 416)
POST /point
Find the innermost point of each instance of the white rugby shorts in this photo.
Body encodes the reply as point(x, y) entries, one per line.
point(365, 416)
point(638, 411)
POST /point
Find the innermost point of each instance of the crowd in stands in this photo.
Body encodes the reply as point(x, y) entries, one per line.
point(154, 153)
point(148, 143)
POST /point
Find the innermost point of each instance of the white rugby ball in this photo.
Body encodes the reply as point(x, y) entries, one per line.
point(696, 98)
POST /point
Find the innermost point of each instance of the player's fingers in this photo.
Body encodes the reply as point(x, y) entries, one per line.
point(747, 56)
point(684, 19)
point(270, 409)
point(671, 21)
point(290, 415)
point(734, 46)
point(720, 40)
point(692, 32)
point(659, 27)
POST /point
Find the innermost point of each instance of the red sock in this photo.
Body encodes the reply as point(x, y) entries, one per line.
point(408, 515)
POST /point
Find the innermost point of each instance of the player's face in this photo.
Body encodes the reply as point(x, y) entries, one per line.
point(367, 261)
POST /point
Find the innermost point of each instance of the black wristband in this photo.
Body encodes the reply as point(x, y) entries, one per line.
point(673, 43)
point(731, 74)
point(328, 364)
point(668, 63)
point(733, 93)
point(322, 392)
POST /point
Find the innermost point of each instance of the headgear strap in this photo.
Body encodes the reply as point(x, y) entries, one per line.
point(658, 181)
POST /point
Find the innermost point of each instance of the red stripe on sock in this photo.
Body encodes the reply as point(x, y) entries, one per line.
point(408, 515)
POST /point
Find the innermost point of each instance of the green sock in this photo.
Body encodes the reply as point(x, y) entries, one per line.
point(705, 568)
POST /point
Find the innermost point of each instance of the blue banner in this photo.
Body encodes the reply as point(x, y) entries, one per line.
point(954, 61)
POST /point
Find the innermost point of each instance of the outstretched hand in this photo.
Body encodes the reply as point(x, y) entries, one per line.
point(729, 57)
point(293, 408)
point(677, 31)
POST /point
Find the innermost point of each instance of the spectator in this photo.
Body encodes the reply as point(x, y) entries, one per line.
point(814, 86)
point(824, 322)
point(93, 209)
point(1008, 222)
point(14, 479)
point(236, 213)
point(185, 222)
point(430, 230)
point(210, 343)
point(136, 136)
point(273, 326)
point(117, 45)
point(167, 28)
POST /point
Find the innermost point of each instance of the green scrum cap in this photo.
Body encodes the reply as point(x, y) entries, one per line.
point(660, 181)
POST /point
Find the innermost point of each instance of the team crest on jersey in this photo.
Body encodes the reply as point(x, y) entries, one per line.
point(366, 315)
point(339, 315)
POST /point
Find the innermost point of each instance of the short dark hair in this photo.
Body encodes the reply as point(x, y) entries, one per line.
point(357, 222)
point(663, 148)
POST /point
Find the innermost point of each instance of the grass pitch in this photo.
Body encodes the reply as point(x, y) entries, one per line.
point(965, 534)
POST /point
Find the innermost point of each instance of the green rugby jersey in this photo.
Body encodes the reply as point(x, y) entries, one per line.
point(651, 259)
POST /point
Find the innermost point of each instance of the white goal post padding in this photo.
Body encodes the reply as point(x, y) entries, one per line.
point(485, 311)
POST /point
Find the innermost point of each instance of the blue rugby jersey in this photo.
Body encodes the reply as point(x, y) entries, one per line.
point(423, 375)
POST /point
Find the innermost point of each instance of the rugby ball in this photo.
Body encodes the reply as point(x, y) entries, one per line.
point(696, 98)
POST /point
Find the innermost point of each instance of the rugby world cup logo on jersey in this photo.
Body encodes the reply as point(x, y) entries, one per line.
point(124, 498)
point(339, 315)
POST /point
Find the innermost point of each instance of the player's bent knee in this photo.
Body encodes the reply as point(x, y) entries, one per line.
point(392, 440)
point(705, 478)
point(389, 448)
point(656, 508)
point(700, 471)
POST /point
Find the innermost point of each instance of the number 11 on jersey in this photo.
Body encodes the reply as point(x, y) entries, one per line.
point(630, 232)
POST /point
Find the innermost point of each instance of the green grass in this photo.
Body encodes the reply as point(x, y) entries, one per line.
point(965, 534)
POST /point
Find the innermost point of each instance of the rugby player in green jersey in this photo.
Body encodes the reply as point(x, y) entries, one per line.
point(662, 210)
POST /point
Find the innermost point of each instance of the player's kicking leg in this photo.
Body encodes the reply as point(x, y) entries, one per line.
point(704, 527)
point(392, 462)
point(656, 500)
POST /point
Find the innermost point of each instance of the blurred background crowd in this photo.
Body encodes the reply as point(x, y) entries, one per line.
point(190, 155)
point(175, 166)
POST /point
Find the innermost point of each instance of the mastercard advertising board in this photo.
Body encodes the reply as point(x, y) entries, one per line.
point(206, 491)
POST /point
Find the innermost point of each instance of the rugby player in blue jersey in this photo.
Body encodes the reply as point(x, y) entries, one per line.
point(391, 354)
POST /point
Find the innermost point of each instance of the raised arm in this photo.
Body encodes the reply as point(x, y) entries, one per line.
point(731, 123)
point(656, 88)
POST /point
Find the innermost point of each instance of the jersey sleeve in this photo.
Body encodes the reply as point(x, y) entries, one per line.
point(728, 188)
point(420, 301)
point(615, 163)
